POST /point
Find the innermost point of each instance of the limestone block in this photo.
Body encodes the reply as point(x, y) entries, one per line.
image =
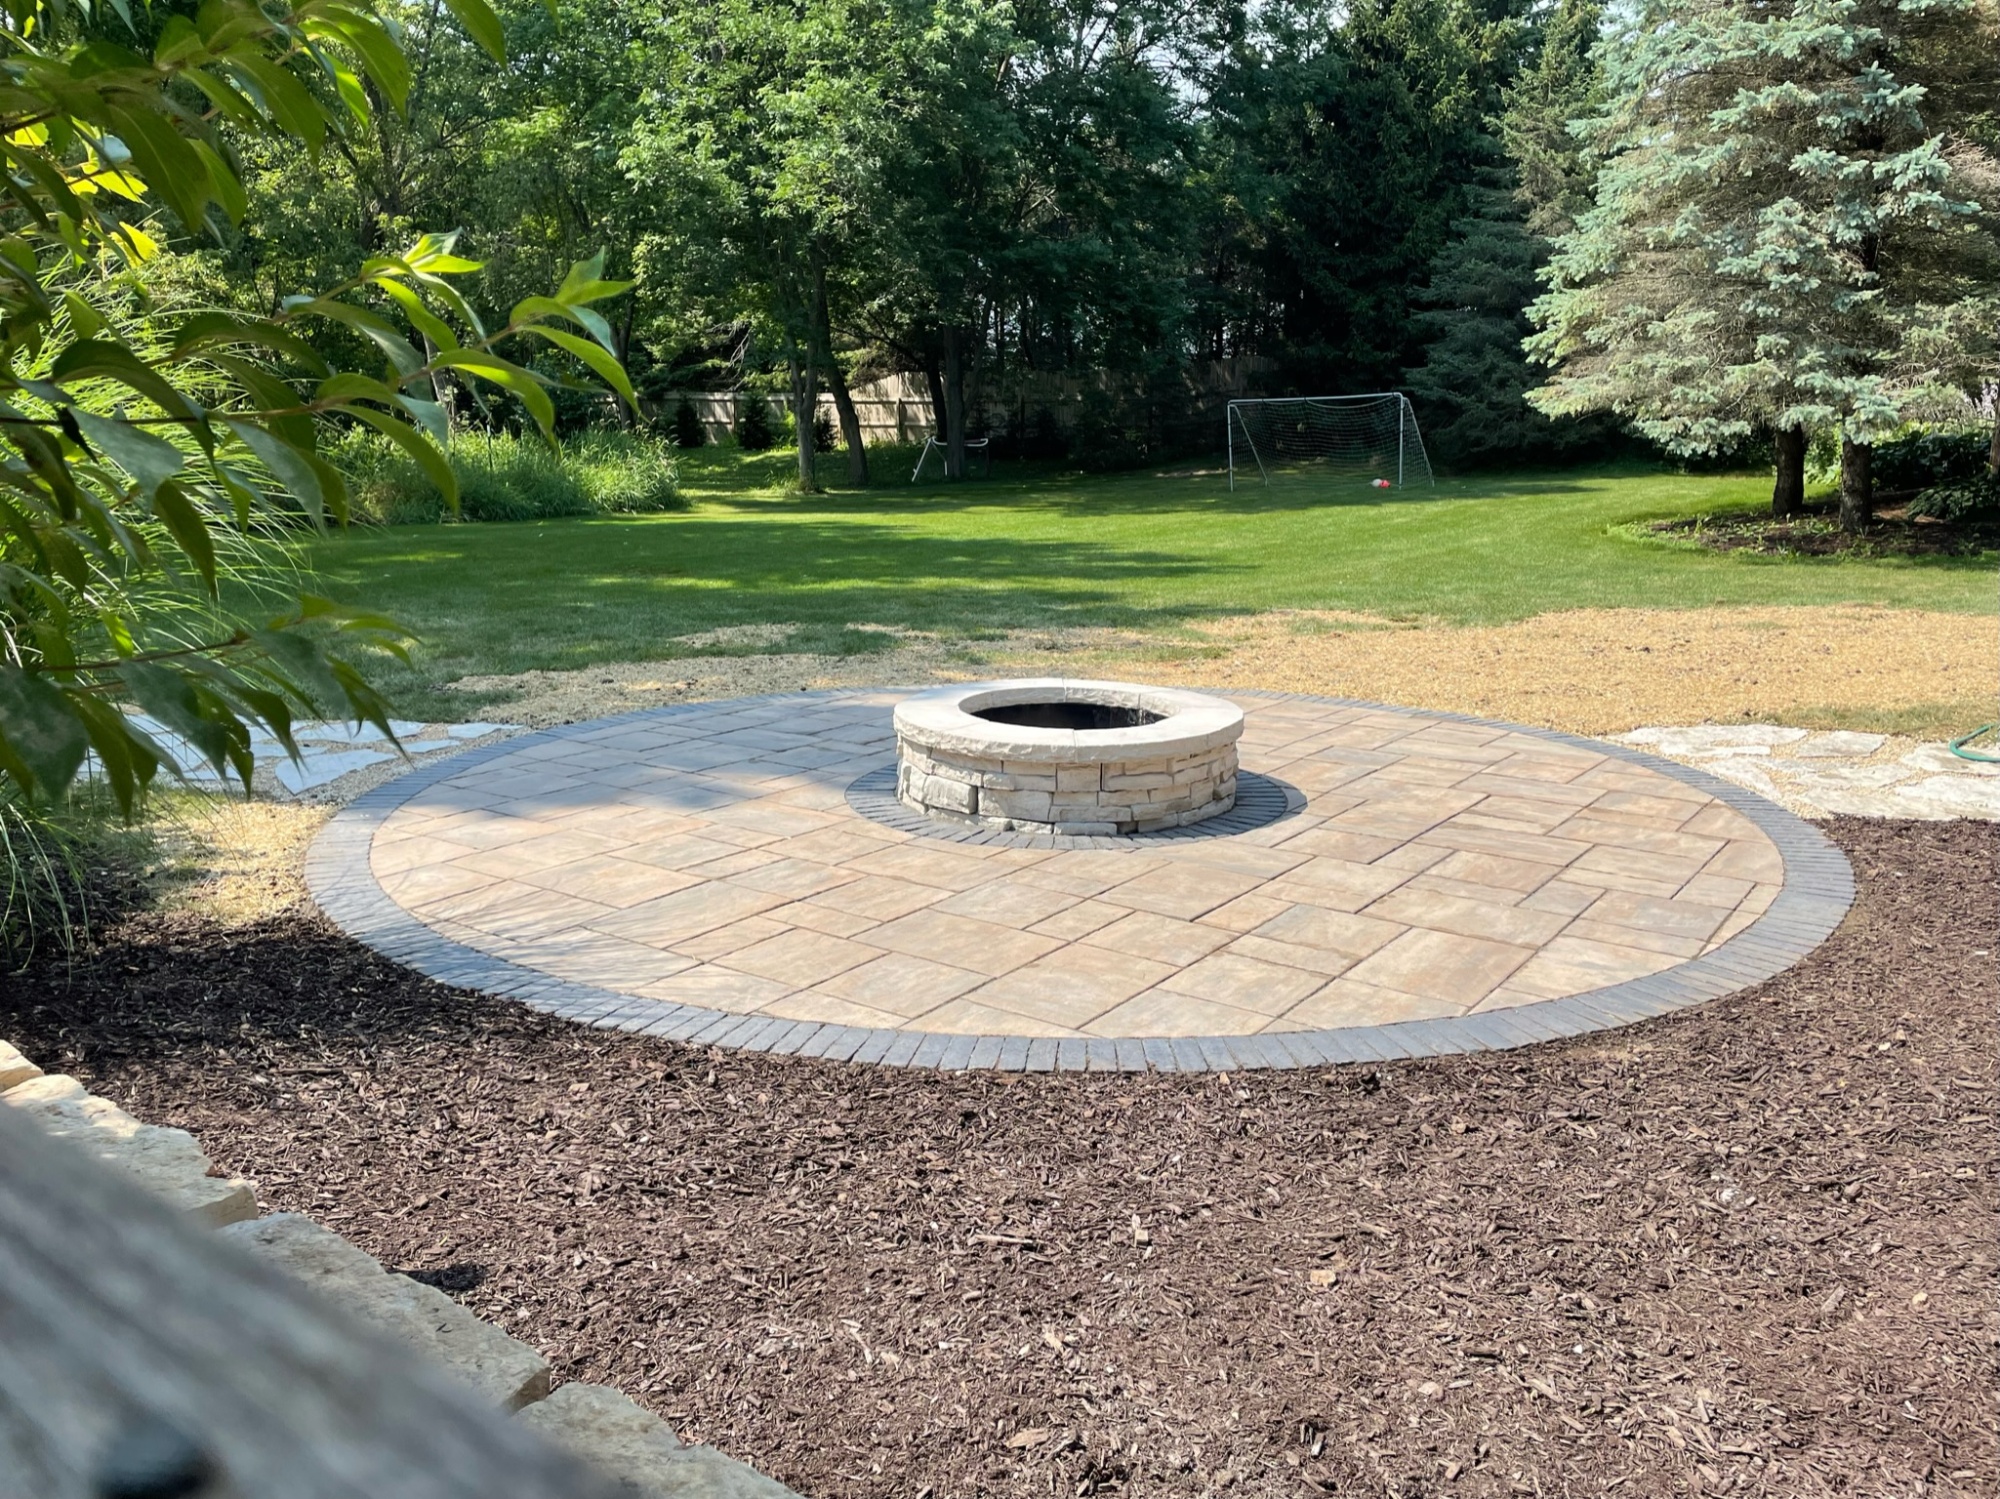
point(1030, 805)
point(1079, 778)
point(166, 1162)
point(638, 1451)
point(951, 796)
point(423, 1318)
point(1013, 780)
point(1119, 779)
point(15, 1068)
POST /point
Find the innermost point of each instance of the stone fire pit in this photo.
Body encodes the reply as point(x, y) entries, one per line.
point(1052, 755)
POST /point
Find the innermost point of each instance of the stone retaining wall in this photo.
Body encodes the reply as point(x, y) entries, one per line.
point(627, 1442)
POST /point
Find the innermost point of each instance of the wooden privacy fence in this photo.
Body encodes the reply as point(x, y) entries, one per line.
point(896, 408)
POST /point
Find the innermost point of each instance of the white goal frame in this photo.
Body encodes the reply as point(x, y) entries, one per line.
point(1409, 441)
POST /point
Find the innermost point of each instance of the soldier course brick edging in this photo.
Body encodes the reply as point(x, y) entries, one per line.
point(1817, 892)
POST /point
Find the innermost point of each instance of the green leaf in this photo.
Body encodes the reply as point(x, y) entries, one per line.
point(171, 698)
point(436, 467)
point(583, 283)
point(479, 363)
point(290, 105)
point(482, 25)
point(608, 369)
point(189, 528)
point(172, 167)
point(288, 465)
point(150, 460)
point(372, 326)
point(421, 317)
point(221, 328)
point(42, 742)
point(100, 359)
point(128, 756)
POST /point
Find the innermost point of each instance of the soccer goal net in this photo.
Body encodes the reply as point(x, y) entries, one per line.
point(1372, 438)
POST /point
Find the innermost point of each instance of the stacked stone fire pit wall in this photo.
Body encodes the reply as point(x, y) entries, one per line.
point(1178, 770)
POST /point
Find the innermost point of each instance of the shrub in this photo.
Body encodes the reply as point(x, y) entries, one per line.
point(1970, 501)
point(823, 434)
point(506, 477)
point(753, 423)
point(688, 430)
point(1919, 460)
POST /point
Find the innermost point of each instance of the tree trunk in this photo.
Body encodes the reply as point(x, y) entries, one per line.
point(1788, 495)
point(936, 384)
point(954, 403)
point(804, 397)
point(1993, 453)
point(843, 402)
point(1857, 484)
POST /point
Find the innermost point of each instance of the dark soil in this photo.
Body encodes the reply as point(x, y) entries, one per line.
point(1817, 533)
point(1749, 1249)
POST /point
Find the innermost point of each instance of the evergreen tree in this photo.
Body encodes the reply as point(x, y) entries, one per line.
point(753, 423)
point(1782, 214)
point(1559, 86)
point(688, 430)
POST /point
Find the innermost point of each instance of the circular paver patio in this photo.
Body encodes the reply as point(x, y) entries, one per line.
point(1437, 884)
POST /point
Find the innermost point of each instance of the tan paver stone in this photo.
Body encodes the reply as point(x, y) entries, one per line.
point(1146, 934)
point(1520, 875)
point(1715, 890)
point(1643, 873)
point(1718, 821)
point(1644, 808)
point(1071, 987)
point(609, 962)
point(1575, 965)
point(1645, 939)
point(1246, 913)
point(1759, 899)
point(1529, 813)
point(1338, 885)
point(878, 897)
point(816, 918)
point(482, 831)
point(712, 988)
point(1747, 859)
point(1413, 858)
point(1679, 917)
point(796, 878)
point(901, 984)
point(534, 917)
point(1243, 858)
point(417, 852)
point(1009, 902)
point(800, 958)
point(543, 851)
point(740, 861)
point(1345, 1002)
point(1080, 919)
point(1499, 783)
point(1564, 897)
point(1404, 817)
point(724, 940)
point(1186, 890)
point(424, 883)
point(1468, 918)
point(678, 851)
point(1652, 840)
point(1341, 932)
point(776, 821)
point(1159, 1012)
point(628, 825)
point(962, 941)
point(925, 864)
point(835, 845)
point(1320, 960)
point(1442, 965)
point(831, 1009)
point(1086, 873)
point(688, 913)
point(1246, 983)
point(610, 880)
point(965, 1017)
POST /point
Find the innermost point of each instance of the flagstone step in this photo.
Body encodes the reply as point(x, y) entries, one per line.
point(639, 1451)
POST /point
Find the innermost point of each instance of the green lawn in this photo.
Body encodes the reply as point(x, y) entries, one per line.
point(1148, 551)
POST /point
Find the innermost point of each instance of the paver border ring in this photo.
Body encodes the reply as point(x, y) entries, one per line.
point(1816, 892)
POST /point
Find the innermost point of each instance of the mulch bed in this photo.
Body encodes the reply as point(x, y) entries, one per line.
point(1816, 533)
point(1746, 1250)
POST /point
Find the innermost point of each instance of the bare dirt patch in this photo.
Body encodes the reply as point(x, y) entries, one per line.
point(1590, 671)
point(1746, 1249)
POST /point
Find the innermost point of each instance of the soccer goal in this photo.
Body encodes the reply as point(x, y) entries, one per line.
point(1372, 437)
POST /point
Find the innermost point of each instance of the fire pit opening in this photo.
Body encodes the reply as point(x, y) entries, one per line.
point(1049, 755)
point(1087, 718)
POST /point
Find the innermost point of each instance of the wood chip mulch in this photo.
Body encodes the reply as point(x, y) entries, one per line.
point(1745, 1250)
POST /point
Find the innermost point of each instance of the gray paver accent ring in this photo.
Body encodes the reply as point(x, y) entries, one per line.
point(1817, 891)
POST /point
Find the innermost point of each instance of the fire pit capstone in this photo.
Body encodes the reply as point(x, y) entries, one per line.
point(1051, 755)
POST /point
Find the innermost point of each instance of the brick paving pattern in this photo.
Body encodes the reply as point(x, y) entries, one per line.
point(1440, 883)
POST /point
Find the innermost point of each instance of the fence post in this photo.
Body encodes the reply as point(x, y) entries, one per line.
point(1402, 405)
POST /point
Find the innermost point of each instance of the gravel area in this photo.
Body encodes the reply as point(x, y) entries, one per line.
point(1747, 1249)
point(1590, 671)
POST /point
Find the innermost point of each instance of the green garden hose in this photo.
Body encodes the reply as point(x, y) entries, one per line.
point(1958, 745)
